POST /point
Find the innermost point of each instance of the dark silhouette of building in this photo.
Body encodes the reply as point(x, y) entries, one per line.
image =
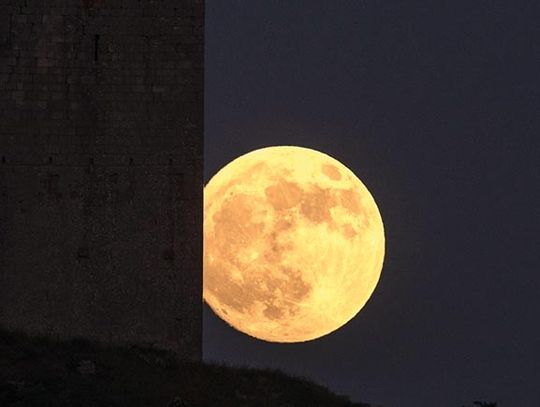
point(101, 149)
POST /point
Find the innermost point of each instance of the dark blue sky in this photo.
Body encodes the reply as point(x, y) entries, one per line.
point(435, 105)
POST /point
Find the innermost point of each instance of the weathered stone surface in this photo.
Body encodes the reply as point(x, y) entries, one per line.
point(101, 144)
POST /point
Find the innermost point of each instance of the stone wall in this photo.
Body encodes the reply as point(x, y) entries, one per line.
point(101, 149)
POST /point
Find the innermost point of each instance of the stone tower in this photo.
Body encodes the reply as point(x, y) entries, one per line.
point(101, 151)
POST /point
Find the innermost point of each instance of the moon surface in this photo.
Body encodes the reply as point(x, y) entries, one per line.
point(293, 244)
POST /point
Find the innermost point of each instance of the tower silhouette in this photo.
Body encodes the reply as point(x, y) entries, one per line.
point(101, 152)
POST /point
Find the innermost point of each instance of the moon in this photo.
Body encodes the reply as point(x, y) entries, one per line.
point(293, 244)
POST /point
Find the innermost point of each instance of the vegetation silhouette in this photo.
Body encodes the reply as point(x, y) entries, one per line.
point(44, 372)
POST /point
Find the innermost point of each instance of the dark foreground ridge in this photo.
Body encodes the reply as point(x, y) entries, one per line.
point(42, 372)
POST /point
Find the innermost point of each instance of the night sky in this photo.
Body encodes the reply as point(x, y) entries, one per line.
point(435, 105)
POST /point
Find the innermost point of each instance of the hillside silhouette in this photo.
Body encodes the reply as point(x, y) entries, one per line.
point(43, 372)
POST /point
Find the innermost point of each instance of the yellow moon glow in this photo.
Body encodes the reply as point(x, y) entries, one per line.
point(293, 244)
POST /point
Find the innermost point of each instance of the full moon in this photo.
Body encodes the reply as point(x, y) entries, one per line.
point(293, 244)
